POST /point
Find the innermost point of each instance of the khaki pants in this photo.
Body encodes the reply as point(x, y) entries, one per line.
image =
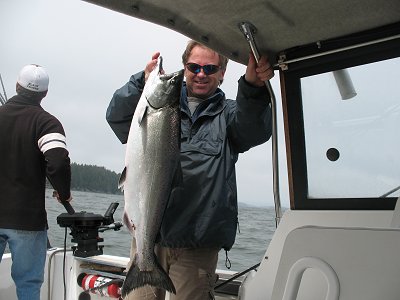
point(191, 270)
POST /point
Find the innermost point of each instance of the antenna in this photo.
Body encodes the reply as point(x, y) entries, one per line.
point(3, 98)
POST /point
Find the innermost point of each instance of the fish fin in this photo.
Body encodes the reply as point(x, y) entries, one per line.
point(141, 114)
point(128, 223)
point(136, 278)
point(122, 179)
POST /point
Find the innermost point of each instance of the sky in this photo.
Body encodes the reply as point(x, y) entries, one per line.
point(89, 52)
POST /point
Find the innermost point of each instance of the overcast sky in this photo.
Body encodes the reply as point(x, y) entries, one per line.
point(89, 52)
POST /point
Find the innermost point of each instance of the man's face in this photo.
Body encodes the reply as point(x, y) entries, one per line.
point(201, 85)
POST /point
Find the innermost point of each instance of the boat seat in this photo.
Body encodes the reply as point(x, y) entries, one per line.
point(333, 263)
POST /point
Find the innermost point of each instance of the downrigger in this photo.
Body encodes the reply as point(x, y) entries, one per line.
point(85, 228)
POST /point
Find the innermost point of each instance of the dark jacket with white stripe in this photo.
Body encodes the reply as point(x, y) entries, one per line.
point(32, 146)
point(203, 213)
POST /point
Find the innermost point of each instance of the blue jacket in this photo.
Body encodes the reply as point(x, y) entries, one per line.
point(203, 211)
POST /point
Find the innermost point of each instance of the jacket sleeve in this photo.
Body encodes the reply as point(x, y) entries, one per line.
point(58, 170)
point(123, 104)
point(249, 121)
point(52, 143)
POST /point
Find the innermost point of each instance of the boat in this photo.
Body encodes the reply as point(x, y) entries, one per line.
point(339, 68)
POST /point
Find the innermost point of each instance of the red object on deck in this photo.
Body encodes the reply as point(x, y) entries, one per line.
point(90, 281)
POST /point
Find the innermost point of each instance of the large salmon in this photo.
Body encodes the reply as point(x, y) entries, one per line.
point(151, 164)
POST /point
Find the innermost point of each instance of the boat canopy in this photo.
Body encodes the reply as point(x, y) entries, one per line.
point(279, 25)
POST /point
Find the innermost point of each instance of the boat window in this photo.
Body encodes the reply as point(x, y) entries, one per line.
point(352, 131)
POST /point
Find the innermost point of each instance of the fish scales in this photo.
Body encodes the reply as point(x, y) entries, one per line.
point(151, 164)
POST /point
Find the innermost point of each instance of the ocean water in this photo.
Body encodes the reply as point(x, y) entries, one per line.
point(256, 225)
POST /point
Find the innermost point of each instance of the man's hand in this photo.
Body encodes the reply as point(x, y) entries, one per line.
point(150, 65)
point(57, 196)
point(257, 74)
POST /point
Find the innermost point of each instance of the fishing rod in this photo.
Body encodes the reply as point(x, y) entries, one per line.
point(236, 276)
point(248, 29)
point(390, 192)
point(3, 99)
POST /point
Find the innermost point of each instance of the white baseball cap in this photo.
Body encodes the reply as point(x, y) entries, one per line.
point(33, 78)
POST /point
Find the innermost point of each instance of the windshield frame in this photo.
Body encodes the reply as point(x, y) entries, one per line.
point(294, 115)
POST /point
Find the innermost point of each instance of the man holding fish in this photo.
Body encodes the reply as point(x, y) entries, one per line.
point(199, 216)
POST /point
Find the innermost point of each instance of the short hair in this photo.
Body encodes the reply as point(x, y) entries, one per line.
point(223, 60)
point(35, 96)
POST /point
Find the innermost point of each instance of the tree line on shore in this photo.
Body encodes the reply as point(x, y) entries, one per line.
point(90, 178)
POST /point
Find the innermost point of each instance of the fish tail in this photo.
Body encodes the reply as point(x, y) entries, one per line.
point(156, 277)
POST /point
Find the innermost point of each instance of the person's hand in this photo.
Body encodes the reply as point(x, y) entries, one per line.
point(57, 196)
point(257, 74)
point(150, 65)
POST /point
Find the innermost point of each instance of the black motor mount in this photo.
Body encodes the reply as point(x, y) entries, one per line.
point(85, 228)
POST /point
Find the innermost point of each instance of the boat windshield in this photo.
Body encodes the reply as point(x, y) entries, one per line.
point(351, 131)
point(342, 110)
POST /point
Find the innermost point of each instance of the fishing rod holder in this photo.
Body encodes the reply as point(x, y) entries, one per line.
point(85, 228)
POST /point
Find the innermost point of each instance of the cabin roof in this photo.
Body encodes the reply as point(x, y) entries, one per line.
point(279, 25)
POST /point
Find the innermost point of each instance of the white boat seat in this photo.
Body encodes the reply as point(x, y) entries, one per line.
point(343, 263)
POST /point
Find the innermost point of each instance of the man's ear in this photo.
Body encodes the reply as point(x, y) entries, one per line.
point(221, 77)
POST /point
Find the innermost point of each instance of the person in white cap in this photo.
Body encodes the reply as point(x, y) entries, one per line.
point(33, 147)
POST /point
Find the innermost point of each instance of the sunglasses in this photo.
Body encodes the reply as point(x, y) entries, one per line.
point(207, 69)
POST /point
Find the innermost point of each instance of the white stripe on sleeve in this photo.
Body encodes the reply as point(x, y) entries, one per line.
point(51, 141)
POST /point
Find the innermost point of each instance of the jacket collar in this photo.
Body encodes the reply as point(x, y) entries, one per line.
point(209, 107)
point(19, 99)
